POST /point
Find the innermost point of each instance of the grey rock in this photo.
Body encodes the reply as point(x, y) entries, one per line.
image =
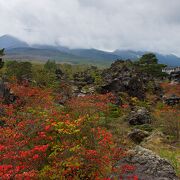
point(81, 95)
point(6, 94)
point(139, 117)
point(88, 90)
point(175, 77)
point(123, 76)
point(148, 165)
point(172, 100)
point(138, 135)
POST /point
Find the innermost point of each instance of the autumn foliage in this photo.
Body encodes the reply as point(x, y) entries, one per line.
point(170, 89)
point(41, 140)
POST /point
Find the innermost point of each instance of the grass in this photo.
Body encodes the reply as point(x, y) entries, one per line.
point(173, 156)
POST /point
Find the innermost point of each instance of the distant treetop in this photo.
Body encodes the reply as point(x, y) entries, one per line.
point(149, 58)
point(2, 52)
point(1, 61)
point(50, 65)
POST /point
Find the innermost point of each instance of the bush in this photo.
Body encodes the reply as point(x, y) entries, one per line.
point(40, 141)
point(167, 119)
point(44, 78)
point(114, 111)
point(50, 66)
point(20, 70)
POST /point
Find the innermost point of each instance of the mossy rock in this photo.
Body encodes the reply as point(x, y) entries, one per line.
point(145, 127)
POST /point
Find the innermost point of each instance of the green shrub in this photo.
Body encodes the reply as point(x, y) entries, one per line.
point(20, 70)
point(115, 111)
point(172, 156)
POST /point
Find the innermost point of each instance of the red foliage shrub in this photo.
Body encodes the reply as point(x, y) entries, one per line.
point(170, 89)
point(38, 139)
point(90, 104)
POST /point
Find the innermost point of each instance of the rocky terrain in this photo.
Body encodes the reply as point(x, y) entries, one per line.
point(140, 109)
point(149, 165)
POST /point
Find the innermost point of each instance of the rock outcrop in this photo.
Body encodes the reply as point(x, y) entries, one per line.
point(138, 135)
point(83, 78)
point(139, 116)
point(5, 93)
point(172, 100)
point(148, 165)
point(175, 77)
point(124, 76)
point(59, 74)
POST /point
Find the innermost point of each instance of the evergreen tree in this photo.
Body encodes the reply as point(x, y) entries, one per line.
point(148, 63)
point(50, 66)
point(148, 58)
point(20, 70)
point(1, 61)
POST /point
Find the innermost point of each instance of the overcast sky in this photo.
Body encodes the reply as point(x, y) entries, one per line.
point(152, 25)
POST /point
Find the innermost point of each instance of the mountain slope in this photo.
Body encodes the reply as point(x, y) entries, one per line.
point(128, 54)
point(17, 49)
point(170, 60)
point(42, 55)
point(94, 54)
point(9, 42)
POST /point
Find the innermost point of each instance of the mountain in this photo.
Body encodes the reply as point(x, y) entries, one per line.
point(29, 53)
point(9, 42)
point(17, 49)
point(60, 48)
point(170, 60)
point(94, 54)
point(129, 54)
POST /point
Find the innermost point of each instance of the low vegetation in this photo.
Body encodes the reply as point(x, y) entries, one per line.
point(58, 123)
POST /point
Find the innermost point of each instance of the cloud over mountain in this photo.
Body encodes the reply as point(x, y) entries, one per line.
point(152, 25)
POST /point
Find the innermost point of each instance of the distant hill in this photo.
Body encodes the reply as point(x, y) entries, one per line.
point(128, 54)
point(60, 48)
point(29, 53)
point(9, 42)
point(17, 49)
point(170, 60)
point(94, 54)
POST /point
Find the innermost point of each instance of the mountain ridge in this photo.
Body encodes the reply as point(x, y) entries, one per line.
point(9, 42)
point(18, 49)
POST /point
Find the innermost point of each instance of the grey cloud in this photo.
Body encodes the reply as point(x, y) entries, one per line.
point(104, 24)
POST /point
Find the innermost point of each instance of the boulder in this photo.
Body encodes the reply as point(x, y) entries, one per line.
point(138, 135)
point(81, 95)
point(6, 94)
point(88, 90)
point(148, 165)
point(172, 100)
point(59, 74)
point(139, 116)
point(83, 78)
point(124, 76)
point(75, 90)
point(175, 77)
